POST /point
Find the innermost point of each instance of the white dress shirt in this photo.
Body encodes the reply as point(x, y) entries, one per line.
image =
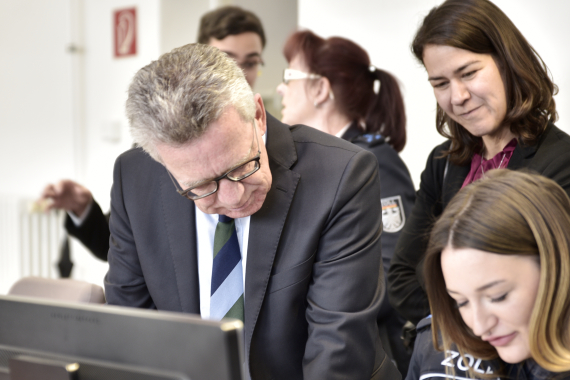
point(344, 129)
point(205, 229)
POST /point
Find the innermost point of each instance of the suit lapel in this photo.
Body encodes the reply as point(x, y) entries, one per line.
point(457, 174)
point(453, 181)
point(523, 152)
point(267, 224)
point(180, 223)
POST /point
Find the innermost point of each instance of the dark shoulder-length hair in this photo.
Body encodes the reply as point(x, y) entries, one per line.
point(481, 27)
point(347, 67)
point(508, 213)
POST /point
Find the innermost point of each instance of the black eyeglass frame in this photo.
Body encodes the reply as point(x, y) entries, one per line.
point(250, 65)
point(193, 197)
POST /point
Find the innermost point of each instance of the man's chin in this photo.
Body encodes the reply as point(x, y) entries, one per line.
point(244, 212)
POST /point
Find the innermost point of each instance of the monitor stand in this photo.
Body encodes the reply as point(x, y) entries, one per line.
point(23, 367)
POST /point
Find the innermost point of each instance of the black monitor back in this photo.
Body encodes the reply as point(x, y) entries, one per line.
point(109, 342)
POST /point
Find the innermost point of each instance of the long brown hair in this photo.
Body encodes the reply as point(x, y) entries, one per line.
point(508, 213)
point(347, 67)
point(481, 27)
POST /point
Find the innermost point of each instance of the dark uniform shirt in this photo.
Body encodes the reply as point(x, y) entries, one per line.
point(530, 370)
point(429, 364)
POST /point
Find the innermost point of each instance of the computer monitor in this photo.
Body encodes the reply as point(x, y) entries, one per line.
point(98, 342)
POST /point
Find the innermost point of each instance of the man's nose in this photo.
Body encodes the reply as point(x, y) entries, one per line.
point(230, 193)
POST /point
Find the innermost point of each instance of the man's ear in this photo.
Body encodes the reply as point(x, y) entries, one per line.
point(322, 91)
point(260, 116)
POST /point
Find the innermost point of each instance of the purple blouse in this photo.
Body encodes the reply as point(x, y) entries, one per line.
point(479, 165)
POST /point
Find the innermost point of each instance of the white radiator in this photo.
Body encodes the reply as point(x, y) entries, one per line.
point(30, 242)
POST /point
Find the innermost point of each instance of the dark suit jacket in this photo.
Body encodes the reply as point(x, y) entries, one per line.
point(396, 188)
point(395, 182)
point(549, 157)
point(93, 233)
point(313, 277)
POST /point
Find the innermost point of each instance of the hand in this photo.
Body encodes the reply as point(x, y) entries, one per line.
point(67, 195)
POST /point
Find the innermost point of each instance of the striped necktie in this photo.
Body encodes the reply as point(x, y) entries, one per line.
point(226, 294)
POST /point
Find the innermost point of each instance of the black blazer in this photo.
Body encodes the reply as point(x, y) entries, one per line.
point(313, 278)
point(439, 183)
point(396, 186)
point(93, 233)
point(397, 195)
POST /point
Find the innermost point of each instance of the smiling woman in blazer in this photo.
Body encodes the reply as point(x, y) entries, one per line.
point(495, 105)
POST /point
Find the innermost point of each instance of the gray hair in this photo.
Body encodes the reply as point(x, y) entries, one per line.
point(173, 100)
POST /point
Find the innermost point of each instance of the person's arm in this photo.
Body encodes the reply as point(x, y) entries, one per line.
point(347, 285)
point(93, 232)
point(124, 283)
point(404, 276)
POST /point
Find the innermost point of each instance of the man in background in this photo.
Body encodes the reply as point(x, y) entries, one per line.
point(235, 31)
point(239, 34)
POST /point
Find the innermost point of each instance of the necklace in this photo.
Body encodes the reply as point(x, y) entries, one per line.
point(498, 167)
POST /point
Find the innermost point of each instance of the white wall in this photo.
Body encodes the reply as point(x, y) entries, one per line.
point(385, 28)
point(279, 20)
point(36, 131)
point(36, 118)
point(179, 22)
point(55, 106)
point(105, 84)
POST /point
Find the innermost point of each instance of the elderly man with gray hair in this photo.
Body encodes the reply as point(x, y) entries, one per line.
point(223, 211)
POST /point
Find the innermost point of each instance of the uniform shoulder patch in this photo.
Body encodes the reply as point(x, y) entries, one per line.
point(369, 140)
point(393, 217)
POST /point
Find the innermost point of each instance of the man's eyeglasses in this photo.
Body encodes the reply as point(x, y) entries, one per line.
point(210, 186)
point(250, 65)
point(292, 74)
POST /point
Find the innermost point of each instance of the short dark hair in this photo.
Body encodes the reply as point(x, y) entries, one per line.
point(347, 67)
point(226, 21)
point(481, 27)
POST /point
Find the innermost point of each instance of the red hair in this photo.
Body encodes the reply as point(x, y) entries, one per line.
point(347, 67)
